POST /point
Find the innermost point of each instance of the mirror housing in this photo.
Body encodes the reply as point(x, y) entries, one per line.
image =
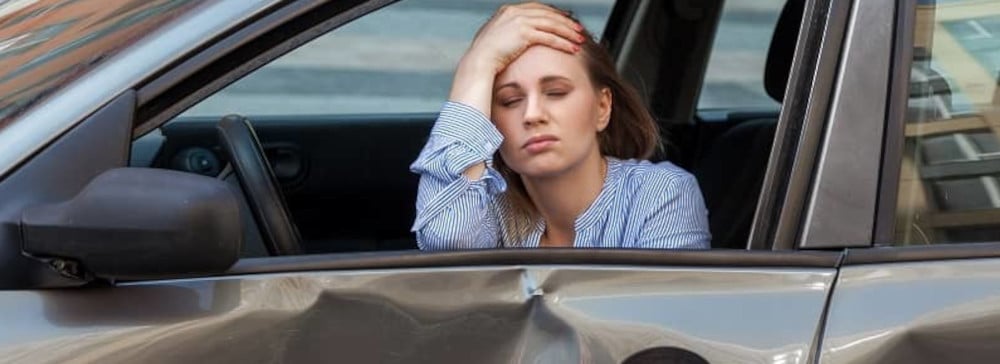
point(138, 223)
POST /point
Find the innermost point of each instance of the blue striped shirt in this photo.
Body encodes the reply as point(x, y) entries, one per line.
point(641, 204)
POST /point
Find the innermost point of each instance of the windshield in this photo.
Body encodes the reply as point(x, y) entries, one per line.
point(45, 44)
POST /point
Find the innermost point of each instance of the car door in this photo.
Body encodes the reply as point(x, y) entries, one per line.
point(925, 290)
point(408, 306)
point(529, 306)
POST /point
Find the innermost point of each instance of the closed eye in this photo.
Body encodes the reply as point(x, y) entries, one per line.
point(510, 102)
point(557, 93)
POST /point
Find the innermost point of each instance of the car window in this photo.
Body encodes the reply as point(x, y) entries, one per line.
point(950, 179)
point(735, 74)
point(396, 60)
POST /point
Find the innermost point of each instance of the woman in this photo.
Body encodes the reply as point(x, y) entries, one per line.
point(538, 147)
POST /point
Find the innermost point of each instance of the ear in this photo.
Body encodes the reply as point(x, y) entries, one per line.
point(604, 105)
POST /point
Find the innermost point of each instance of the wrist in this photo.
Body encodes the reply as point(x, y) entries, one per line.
point(473, 83)
point(477, 64)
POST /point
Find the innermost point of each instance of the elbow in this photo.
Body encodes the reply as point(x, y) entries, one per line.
point(430, 239)
point(454, 230)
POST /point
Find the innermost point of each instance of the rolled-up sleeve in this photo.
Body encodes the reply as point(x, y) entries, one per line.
point(454, 212)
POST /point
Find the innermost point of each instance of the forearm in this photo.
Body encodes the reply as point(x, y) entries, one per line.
point(452, 207)
point(473, 87)
point(473, 83)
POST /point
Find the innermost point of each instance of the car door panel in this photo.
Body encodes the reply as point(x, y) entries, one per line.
point(352, 188)
point(514, 313)
point(944, 311)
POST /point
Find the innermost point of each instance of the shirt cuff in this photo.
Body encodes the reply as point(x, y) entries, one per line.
point(469, 126)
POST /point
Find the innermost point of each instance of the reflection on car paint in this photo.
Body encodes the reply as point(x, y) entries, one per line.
point(62, 37)
point(484, 315)
point(27, 41)
point(929, 312)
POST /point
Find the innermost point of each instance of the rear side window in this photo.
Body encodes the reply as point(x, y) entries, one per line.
point(734, 78)
point(950, 179)
point(399, 59)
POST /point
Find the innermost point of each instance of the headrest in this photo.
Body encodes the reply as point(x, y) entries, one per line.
point(779, 56)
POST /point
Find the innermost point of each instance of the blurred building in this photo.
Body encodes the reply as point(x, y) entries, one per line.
point(949, 187)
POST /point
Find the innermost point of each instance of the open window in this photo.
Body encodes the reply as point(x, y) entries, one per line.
point(341, 117)
point(341, 114)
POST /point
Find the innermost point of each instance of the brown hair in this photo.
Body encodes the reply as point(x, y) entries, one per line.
point(631, 133)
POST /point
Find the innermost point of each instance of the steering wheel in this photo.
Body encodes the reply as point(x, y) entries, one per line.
point(241, 146)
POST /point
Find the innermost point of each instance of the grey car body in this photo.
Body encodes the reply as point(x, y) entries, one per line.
point(817, 279)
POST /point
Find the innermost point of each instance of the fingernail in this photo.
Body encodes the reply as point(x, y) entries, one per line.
point(579, 27)
point(581, 38)
point(576, 49)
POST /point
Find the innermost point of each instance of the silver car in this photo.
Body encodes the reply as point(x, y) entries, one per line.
point(226, 181)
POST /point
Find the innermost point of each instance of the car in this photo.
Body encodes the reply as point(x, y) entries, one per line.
point(227, 181)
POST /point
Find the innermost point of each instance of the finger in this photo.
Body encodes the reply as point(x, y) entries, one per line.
point(555, 16)
point(533, 9)
point(538, 37)
point(555, 27)
point(536, 5)
point(513, 10)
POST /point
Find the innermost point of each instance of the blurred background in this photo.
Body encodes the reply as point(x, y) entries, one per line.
point(400, 59)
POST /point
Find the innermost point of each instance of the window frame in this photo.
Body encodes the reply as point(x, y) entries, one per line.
point(894, 146)
point(777, 220)
point(844, 192)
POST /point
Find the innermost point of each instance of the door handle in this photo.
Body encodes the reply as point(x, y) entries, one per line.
point(287, 162)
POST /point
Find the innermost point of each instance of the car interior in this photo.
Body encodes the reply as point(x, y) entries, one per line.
point(345, 178)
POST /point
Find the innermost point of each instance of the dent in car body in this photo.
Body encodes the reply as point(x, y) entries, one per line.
point(922, 312)
point(493, 314)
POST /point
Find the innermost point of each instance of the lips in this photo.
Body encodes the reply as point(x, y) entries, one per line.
point(539, 143)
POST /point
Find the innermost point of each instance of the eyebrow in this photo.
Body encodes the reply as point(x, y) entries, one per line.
point(546, 79)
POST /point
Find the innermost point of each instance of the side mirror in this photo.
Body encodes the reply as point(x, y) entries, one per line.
point(138, 223)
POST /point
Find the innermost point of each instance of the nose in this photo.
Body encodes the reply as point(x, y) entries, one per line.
point(534, 112)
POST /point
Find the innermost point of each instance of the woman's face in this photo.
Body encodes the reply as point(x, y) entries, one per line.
point(549, 113)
